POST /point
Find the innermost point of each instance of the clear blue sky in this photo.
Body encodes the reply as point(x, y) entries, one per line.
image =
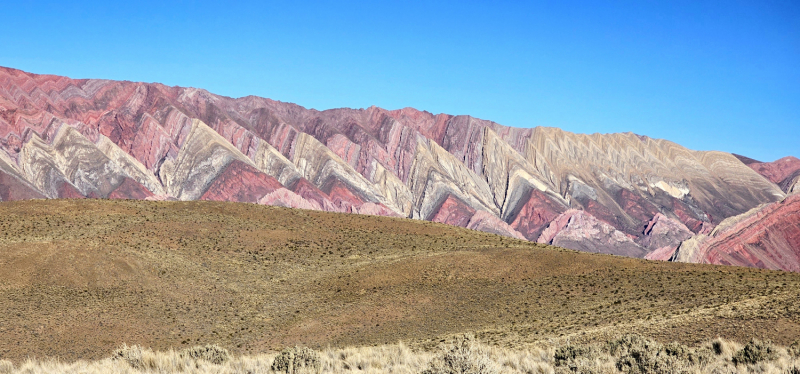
point(709, 75)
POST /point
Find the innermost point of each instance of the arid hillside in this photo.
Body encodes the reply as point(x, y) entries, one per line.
point(80, 277)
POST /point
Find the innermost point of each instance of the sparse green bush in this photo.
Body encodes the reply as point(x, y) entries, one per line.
point(209, 352)
point(297, 360)
point(462, 357)
point(754, 352)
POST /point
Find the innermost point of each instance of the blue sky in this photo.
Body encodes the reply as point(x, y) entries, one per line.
point(708, 75)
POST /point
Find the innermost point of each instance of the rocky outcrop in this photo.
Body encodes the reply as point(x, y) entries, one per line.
point(242, 183)
point(662, 236)
point(766, 237)
point(792, 186)
point(784, 172)
point(612, 193)
point(203, 156)
point(488, 222)
point(579, 230)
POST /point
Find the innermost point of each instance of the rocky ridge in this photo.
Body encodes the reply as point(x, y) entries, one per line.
point(767, 237)
point(784, 172)
point(629, 194)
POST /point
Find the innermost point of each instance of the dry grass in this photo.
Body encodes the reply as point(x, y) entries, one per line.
point(81, 277)
point(400, 359)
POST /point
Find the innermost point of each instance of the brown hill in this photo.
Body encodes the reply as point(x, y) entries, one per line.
point(80, 277)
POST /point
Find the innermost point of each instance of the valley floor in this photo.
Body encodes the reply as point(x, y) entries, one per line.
point(79, 278)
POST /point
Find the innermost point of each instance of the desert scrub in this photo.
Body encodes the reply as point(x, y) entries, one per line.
point(297, 360)
point(648, 360)
point(209, 352)
point(639, 355)
point(722, 348)
point(569, 353)
point(754, 352)
point(6, 367)
point(794, 349)
point(623, 345)
point(576, 359)
point(462, 357)
point(135, 356)
point(700, 356)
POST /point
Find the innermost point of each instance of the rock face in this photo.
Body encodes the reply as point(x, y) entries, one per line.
point(612, 193)
point(766, 237)
point(662, 237)
point(579, 230)
point(784, 172)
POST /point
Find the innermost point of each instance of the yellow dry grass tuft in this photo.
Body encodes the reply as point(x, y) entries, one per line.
point(400, 359)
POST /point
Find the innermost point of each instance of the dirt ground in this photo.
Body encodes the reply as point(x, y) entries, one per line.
point(80, 277)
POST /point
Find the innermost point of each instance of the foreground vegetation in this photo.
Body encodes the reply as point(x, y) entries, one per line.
point(78, 278)
point(627, 354)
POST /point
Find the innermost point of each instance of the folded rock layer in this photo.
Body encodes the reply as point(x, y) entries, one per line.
point(611, 193)
point(766, 237)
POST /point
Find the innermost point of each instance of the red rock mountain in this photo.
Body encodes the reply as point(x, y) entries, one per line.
point(613, 193)
point(784, 172)
point(767, 237)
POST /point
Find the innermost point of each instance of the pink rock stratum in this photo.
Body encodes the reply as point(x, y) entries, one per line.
point(765, 237)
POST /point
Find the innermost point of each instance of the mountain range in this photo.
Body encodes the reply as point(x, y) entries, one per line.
point(623, 194)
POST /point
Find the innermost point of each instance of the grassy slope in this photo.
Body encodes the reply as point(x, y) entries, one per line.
point(80, 277)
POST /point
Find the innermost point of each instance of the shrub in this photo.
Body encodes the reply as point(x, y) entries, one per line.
point(623, 345)
point(700, 356)
point(721, 347)
point(134, 356)
point(718, 347)
point(579, 369)
point(576, 359)
point(297, 360)
point(210, 352)
point(639, 355)
point(570, 353)
point(644, 360)
point(678, 350)
point(754, 352)
point(6, 367)
point(794, 349)
point(462, 357)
